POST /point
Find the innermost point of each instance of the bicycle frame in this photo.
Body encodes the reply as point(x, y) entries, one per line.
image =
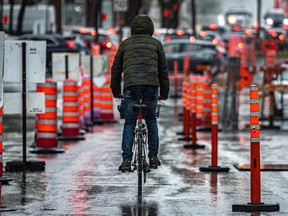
point(139, 162)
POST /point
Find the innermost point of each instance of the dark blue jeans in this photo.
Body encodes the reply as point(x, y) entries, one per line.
point(149, 96)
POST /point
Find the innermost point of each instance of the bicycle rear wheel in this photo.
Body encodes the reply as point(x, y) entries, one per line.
point(140, 168)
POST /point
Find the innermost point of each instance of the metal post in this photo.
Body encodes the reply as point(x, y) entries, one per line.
point(91, 89)
point(259, 17)
point(193, 21)
point(24, 129)
point(66, 67)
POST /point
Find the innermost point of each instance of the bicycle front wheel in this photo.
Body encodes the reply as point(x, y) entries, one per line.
point(140, 168)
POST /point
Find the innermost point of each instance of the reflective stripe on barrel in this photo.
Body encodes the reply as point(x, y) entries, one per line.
point(46, 123)
point(255, 174)
point(70, 108)
point(106, 102)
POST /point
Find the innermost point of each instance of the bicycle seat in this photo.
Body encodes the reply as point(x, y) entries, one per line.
point(138, 107)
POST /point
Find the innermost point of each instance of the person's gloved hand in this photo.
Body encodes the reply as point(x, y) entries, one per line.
point(162, 98)
point(118, 96)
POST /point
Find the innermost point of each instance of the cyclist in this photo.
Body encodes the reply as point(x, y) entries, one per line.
point(142, 61)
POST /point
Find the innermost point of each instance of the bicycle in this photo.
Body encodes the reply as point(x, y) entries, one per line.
point(140, 146)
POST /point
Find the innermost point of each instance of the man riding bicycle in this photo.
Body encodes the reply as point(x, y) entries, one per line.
point(142, 61)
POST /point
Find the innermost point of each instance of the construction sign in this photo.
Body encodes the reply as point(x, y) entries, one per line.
point(245, 78)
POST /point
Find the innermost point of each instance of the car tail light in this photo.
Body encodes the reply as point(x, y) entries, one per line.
point(167, 38)
point(215, 41)
point(203, 34)
point(272, 32)
point(192, 38)
point(240, 45)
point(70, 44)
point(180, 32)
point(218, 54)
point(281, 37)
point(237, 28)
point(5, 20)
point(94, 33)
point(83, 31)
point(248, 32)
point(107, 44)
point(213, 26)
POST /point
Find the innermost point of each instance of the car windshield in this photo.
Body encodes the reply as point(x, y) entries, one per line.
point(92, 38)
point(172, 48)
point(195, 47)
point(276, 16)
point(187, 47)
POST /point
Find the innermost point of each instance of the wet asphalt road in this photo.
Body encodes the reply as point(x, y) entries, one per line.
point(84, 180)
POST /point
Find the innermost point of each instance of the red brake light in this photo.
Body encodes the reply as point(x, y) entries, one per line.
point(248, 32)
point(107, 44)
point(236, 28)
point(213, 26)
point(94, 33)
point(215, 41)
point(281, 37)
point(203, 33)
point(167, 38)
point(180, 32)
point(240, 45)
point(84, 30)
point(192, 38)
point(218, 54)
point(70, 44)
point(5, 20)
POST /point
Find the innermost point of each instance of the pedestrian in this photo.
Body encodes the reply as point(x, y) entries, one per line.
point(142, 62)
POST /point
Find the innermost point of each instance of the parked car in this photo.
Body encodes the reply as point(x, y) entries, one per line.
point(212, 37)
point(176, 34)
point(275, 18)
point(54, 43)
point(200, 53)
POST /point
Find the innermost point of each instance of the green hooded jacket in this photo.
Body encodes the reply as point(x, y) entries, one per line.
point(141, 59)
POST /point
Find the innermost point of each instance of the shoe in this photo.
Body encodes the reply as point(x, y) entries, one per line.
point(125, 166)
point(154, 162)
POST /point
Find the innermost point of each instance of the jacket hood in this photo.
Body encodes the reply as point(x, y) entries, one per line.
point(142, 24)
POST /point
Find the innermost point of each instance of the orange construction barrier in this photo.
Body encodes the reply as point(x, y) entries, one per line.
point(199, 91)
point(185, 111)
point(85, 86)
point(46, 124)
point(81, 107)
point(255, 175)
point(70, 117)
point(206, 121)
point(111, 55)
point(3, 179)
point(192, 119)
point(96, 101)
point(214, 135)
point(106, 97)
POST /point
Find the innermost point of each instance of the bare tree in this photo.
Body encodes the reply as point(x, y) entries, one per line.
point(170, 12)
point(20, 17)
point(11, 17)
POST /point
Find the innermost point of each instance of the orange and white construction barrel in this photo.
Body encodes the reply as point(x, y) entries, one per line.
point(106, 107)
point(3, 179)
point(46, 124)
point(70, 129)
